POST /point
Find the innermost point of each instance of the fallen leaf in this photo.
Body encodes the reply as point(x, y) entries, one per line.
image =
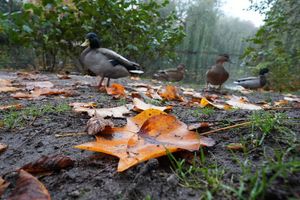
point(204, 102)
point(291, 97)
point(3, 185)
point(145, 136)
point(153, 94)
point(6, 86)
point(236, 146)
point(200, 125)
point(23, 95)
point(242, 103)
point(170, 93)
point(48, 164)
point(14, 106)
point(38, 84)
point(116, 90)
point(29, 187)
point(281, 103)
point(96, 125)
point(116, 112)
point(28, 75)
point(63, 76)
point(5, 82)
point(37, 92)
point(3, 147)
point(8, 89)
point(83, 107)
point(139, 106)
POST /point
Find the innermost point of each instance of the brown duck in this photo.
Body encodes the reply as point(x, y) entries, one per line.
point(217, 75)
point(173, 74)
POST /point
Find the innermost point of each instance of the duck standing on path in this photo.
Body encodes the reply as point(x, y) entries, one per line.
point(105, 62)
point(217, 75)
point(173, 74)
point(254, 82)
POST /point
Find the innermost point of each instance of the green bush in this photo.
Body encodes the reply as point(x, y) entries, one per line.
point(53, 29)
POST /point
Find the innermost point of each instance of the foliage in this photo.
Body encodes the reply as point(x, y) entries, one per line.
point(54, 28)
point(276, 44)
point(208, 33)
point(267, 123)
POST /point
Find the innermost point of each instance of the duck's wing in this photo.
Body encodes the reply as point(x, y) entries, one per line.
point(249, 83)
point(115, 56)
point(246, 79)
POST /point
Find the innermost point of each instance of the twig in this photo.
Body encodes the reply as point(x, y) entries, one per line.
point(70, 134)
point(31, 123)
point(226, 128)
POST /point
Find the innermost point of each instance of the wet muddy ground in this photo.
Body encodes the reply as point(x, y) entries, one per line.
point(215, 171)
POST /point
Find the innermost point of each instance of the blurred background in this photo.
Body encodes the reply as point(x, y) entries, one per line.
point(45, 35)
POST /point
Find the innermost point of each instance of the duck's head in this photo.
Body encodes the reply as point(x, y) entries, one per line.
point(181, 67)
point(263, 71)
point(91, 40)
point(222, 58)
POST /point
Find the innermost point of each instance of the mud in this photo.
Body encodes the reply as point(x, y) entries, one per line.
point(94, 175)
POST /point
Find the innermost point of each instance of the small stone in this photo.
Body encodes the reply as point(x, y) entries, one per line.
point(173, 180)
point(71, 175)
point(74, 193)
point(47, 130)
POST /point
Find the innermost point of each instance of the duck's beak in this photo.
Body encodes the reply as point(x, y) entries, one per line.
point(86, 43)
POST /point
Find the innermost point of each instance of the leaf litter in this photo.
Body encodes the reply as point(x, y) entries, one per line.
point(138, 136)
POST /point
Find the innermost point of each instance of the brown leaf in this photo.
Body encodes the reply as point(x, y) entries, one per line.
point(139, 106)
point(29, 188)
point(200, 125)
point(5, 82)
point(48, 164)
point(96, 125)
point(3, 147)
point(37, 92)
point(3, 186)
point(116, 90)
point(170, 93)
point(145, 136)
point(8, 89)
point(14, 106)
point(63, 76)
point(281, 103)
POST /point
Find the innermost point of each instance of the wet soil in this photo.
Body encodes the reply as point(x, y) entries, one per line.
point(94, 174)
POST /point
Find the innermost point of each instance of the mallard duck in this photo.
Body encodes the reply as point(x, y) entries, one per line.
point(105, 62)
point(217, 75)
point(173, 74)
point(254, 82)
